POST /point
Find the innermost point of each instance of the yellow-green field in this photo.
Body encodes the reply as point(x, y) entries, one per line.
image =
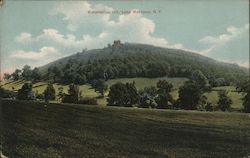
point(87, 91)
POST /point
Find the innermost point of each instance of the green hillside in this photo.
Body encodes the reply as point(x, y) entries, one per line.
point(30, 129)
point(138, 60)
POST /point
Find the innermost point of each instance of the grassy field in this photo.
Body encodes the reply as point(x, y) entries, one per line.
point(235, 96)
point(33, 130)
point(87, 91)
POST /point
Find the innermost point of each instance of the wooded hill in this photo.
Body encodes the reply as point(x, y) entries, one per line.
point(138, 60)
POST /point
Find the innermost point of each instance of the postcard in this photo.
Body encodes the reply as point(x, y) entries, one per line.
point(124, 79)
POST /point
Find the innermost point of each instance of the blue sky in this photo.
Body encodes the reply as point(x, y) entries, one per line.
point(37, 32)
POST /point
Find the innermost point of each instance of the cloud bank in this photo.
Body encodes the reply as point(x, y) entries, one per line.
point(132, 27)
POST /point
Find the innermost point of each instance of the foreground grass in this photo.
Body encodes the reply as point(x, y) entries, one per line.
point(33, 130)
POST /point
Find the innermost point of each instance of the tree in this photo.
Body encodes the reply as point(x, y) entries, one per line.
point(147, 97)
point(200, 79)
point(163, 90)
point(80, 79)
point(224, 101)
point(35, 75)
point(189, 95)
point(61, 93)
point(100, 86)
point(49, 93)
point(6, 76)
point(26, 74)
point(16, 75)
point(4, 93)
point(57, 73)
point(244, 88)
point(26, 93)
point(73, 95)
point(121, 94)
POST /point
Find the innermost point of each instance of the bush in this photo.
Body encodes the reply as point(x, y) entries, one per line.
point(224, 101)
point(7, 93)
point(209, 107)
point(26, 93)
point(39, 96)
point(121, 94)
point(73, 95)
point(88, 101)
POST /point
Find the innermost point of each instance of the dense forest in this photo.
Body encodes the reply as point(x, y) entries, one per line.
point(138, 60)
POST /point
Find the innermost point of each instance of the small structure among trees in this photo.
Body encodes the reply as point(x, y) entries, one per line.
point(117, 44)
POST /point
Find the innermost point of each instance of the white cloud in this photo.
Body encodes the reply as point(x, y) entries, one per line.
point(132, 27)
point(43, 54)
point(76, 14)
point(232, 33)
point(23, 37)
point(225, 47)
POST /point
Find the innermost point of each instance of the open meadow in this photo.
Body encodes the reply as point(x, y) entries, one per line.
point(31, 129)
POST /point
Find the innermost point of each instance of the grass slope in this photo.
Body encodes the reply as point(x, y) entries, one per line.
point(32, 130)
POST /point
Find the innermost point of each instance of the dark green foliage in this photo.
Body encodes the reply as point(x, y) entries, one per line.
point(49, 93)
point(35, 74)
point(246, 102)
point(224, 101)
point(16, 75)
point(88, 101)
point(6, 76)
point(40, 96)
point(244, 88)
point(203, 103)
point(189, 95)
point(209, 107)
point(200, 79)
point(123, 94)
point(27, 72)
point(137, 60)
point(163, 86)
point(26, 93)
point(73, 95)
point(61, 94)
point(163, 98)
point(100, 86)
point(80, 79)
point(147, 97)
point(57, 74)
point(7, 93)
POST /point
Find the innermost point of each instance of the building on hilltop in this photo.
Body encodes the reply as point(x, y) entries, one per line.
point(117, 44)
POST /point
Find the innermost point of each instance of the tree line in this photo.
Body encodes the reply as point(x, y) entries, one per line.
point(191, 95)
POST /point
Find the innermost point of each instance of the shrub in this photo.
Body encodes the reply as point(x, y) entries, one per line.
point(88, 101)
point(224, 101)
